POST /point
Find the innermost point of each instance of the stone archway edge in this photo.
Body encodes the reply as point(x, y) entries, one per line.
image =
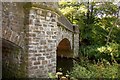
point(12, 36)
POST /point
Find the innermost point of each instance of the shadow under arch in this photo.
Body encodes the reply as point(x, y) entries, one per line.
point(11, 60)
point(64, 56)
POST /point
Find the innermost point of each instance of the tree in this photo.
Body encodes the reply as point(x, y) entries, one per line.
point(97, 21)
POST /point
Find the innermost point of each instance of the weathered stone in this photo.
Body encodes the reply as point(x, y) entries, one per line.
point(43, 13)
point(49, 13)
point(32, 35)
point(54, 37)
point(47, 18)
point(50, 41)
point(36, 62)
point(43, 42)
point(53, 20)
point(44, 62)
point(53, 60)
point(33, 67)
point(41, 67)
point(49, 49)
point(41, 58)
point(37, 54)
point(44, 25)
point(39, 12)
point(31, 43)
point(49, 32)
point(33, 58)
point(42, 50)
point(41, 28)
point(37, 31)
point(32, 51)
point(37, 22)
point(46, 54)
point(42, 18)
point(49, 57)
point(29, 63)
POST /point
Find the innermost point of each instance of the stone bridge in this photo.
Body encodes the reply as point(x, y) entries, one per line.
point(33, 35)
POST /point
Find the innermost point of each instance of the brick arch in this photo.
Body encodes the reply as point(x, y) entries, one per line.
point(64, 48)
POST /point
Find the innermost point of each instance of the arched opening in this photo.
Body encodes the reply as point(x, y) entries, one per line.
point(11, 60)
point(64, 56)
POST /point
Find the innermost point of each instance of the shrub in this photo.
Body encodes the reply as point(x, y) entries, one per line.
point(100, 70)
point(110, 52)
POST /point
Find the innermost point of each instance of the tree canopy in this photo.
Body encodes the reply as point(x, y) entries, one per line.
point(99, 27)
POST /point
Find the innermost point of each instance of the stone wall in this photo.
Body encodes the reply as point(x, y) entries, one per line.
point(11, 60)
point(76, 44)
point(13, 22)
point(63, 33)
point(13, 34)
point(35, 30)
point(42, 43)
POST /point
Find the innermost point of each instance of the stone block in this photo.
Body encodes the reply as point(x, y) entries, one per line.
point(37, 54)
point(48, 57)
point(32, 51)
point(39, 12)
point(49, 14)
point(46, 54)
point(44, 25)
point(33, 58)
point(41, 67)
point(33, 67)
point(41, 28)
point(50, 41)
point(37, 63)
point(41, 58)
point(37, 22)
point(44, 13)
point(42, 50)
point(44, 62)
point(43, 42)
point(53, 20)
point(32, 35)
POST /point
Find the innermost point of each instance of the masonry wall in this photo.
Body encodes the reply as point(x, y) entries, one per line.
point(36, 32)
point(13, 22)
point(42, 42)
point(76, 44)
point(13, 34)
point(63, 33)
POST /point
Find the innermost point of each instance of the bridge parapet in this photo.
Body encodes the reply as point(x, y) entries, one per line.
point(13, 22)
point(12, 36)
point(53, 6)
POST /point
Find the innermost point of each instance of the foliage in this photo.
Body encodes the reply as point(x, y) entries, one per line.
point(99, 38)
point(99, 28)
point(110, 52)
point(89, 70)
point(51, 76)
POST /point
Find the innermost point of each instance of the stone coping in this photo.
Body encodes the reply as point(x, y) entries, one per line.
point(62, 20)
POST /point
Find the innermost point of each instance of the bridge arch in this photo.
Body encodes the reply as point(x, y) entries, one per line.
point(64, 48)
point(11, 59)
point(64, 55)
